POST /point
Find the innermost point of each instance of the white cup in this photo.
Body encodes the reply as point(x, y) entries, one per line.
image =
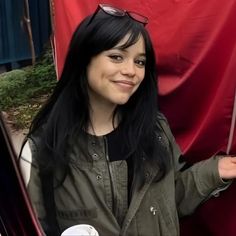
point(80, 230)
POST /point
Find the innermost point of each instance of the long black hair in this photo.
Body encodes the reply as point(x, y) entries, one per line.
point(67, 109)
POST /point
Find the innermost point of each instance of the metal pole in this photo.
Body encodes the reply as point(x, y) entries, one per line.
point(53, 41)
point(232, 128)
point(27, 22)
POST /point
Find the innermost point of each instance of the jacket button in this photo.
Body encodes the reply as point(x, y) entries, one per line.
point(147, 175)
point(99, 177)
point(95, 156)
point(153, 210)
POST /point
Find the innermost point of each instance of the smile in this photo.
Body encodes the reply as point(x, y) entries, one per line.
point(125, 84)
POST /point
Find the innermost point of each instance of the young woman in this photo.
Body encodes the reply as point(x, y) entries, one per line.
point(100, 152)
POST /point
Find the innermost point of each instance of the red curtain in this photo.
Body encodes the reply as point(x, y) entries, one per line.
point(195, 43)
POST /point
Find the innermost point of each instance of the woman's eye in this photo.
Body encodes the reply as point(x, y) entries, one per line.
point(117, 58)
point(141, 63)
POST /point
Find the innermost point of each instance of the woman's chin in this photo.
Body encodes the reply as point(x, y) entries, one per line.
point(122, 101)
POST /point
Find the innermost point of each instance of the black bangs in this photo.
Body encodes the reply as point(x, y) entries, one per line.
point(132, 39)
point(108, 31)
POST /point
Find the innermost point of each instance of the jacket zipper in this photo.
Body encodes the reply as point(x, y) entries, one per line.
point(111, 175)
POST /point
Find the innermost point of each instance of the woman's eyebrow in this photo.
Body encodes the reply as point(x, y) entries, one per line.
point(125, 50)
point(142, 54)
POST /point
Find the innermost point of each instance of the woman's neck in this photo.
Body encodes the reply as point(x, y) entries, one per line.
point(101, 118)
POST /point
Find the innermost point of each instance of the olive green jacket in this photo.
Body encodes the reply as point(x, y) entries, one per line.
point(96, 192)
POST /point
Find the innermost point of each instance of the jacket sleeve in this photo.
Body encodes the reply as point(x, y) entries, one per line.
point(195, 184)
point(30, 171)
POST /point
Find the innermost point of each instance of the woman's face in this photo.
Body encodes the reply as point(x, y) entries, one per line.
point(114, 75)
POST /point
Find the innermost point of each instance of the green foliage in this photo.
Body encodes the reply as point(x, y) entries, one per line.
point(11, 88)
point(22, 91)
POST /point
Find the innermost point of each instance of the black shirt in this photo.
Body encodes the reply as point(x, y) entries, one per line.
point(118, 150)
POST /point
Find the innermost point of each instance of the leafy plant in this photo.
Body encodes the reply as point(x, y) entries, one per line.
point(11, 87)
point(23, 91)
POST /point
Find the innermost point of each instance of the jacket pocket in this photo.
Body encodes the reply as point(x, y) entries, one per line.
point(68, 218)
point(80, 214)
point(155, 216)
point(164, 213)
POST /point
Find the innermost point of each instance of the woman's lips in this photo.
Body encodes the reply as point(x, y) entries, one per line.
point(125, 84)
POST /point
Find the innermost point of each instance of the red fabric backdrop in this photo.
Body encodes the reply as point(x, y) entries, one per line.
point(195, 43)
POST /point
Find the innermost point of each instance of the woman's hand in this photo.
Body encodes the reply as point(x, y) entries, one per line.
point(227, 167)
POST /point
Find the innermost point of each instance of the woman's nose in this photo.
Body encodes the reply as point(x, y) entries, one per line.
point(128, 68)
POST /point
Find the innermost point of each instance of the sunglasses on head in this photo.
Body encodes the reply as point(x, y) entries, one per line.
point(114, 11)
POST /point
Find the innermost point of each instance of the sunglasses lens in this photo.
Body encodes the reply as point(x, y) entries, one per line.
point(138, 17)
point(112, 10)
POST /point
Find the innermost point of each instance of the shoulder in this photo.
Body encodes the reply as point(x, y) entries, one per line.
point(162, 124)
point(161, 116)
point(164, 128)
point(28, 157)
point(29, 151)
